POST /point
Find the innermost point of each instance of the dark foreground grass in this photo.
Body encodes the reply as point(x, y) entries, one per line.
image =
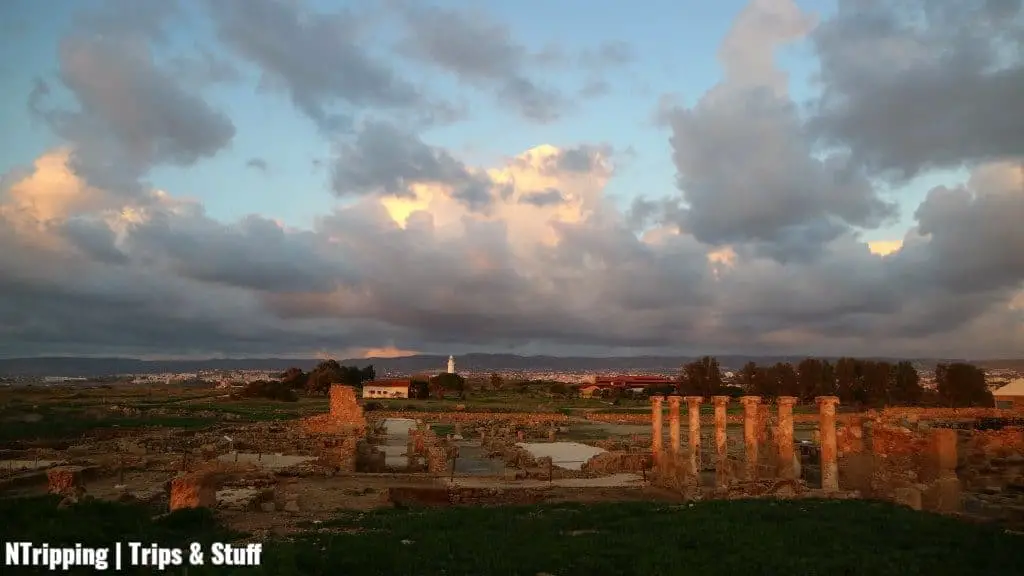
point(796, 538)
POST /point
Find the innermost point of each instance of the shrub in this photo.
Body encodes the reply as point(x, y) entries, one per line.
point(279, 391)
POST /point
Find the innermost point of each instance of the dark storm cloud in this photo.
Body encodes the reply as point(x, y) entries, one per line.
point(256, 253)
point(748, 175)
point(760, 250)
point(94, 239)
point(385, 158)
point(950, 91)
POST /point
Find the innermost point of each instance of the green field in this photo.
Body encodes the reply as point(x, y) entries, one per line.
point(804, 538)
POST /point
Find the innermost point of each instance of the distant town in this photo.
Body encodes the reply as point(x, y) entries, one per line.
point(1003, 371)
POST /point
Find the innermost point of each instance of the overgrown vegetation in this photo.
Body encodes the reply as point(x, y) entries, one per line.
point(805, 537)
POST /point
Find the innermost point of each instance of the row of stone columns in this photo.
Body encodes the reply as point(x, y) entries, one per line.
point(827, 424)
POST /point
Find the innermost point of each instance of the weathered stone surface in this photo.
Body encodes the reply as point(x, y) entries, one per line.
point(829, 457)
point(616, 462)
point(750, 435)
point(908, 496)
point(64, 479)
point(656, 444)
point(693, 433)
point(673, 424)
point(721, 441)
point(195, 490)
point(784, 437)
point(943, 495)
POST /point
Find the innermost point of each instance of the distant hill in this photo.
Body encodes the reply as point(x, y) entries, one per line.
point(73, 366)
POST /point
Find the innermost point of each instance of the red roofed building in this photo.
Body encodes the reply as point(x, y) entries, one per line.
point(387, 388)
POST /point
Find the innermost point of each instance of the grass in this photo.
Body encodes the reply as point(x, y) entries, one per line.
point(720, 537)
point(66, 414)
point(70, 423)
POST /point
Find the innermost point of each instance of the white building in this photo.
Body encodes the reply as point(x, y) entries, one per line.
point(387, 389)
point(451, 364)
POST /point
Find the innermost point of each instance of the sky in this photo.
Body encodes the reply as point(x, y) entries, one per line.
point(232, 178)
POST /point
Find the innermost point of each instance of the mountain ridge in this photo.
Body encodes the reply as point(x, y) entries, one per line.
point(72, 366)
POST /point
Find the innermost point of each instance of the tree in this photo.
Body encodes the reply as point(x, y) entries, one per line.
point(701, 378)
point(496, 381)
point(847, 379)
point(960, 385)
point(448, 382)
point(875, 383)
point(764, 383)
point(810, 374)
point(559, 389)
point(327, 372)
point(294, 378)
point(747, 376)
point(787, 381)
point(419, 389)
point(906, 384)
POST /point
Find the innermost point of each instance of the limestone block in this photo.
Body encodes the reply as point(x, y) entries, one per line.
point(194, 490)
point(64, 480)
point(908, 496)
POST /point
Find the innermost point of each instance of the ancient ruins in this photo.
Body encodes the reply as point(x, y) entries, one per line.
point(273, 474)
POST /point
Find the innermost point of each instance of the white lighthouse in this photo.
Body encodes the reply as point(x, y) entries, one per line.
point(451, 364)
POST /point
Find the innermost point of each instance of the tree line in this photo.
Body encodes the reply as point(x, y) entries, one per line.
point(317, 382)
point(855, 381)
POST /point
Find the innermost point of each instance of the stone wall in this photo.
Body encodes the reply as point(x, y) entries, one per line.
point(345, 409)
point(617, 462)
point(992, 471)
point(340, 453)
point(506, 418)
point(850, 438)
point(459, 495)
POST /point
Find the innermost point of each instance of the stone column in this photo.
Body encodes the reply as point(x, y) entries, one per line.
point(721, 441)
point(827, 427)
point(944, 492)
point(693, 412)
point(673, 425)
point(750, 404)
point(784, 436)
point(656, 428)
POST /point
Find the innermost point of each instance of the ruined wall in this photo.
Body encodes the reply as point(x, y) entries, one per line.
point(506, 418)
point(345, 409)
point(340, 453)
point(457, 495)
point(617, 462)
point(850, 438)
point(344, 418)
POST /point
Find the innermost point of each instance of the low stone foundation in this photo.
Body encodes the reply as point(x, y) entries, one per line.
point(64, 480)
point(617, 462)
point(194, 490)
point(455, 496)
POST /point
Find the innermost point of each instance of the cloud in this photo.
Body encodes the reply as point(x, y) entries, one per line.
point(760, 248)
point(954, 75)
point(746, 170)
point(479, 52)
point(317, 58)
point(386, 159)
point(257, 164)
point(131, 114)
